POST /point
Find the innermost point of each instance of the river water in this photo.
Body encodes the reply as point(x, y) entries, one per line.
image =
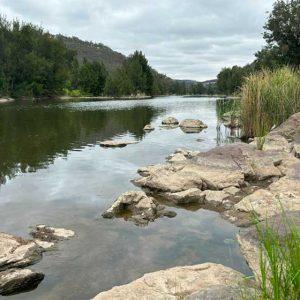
point(53, 172)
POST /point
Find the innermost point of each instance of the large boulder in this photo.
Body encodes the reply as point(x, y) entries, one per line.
point(17, 253)
point(142, 208)
point(176, 283)
point(192, 125)
point(289, 128)
point(17, 280)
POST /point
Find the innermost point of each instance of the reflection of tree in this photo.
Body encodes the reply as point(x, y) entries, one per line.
point(227, 135)
point(31, 137)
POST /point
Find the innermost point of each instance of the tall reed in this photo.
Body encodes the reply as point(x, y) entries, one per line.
point(280, 261)
point(268, 99)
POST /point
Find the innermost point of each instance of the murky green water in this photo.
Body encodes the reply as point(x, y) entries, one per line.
point(53, 171)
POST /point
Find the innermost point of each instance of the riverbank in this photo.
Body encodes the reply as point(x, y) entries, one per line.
point(105, 98)
point(237, 180)
point(6, 100)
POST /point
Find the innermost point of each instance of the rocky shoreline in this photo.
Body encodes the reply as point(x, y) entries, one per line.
point(237, 180)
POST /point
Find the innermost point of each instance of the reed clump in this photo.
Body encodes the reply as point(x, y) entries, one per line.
point(280, 262)
point(268, 99)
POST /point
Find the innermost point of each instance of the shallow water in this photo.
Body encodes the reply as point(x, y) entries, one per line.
point(53, 172)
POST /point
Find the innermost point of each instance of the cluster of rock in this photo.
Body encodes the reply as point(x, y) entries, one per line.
point(16, 254)
point(238, 180)
point(187, 125)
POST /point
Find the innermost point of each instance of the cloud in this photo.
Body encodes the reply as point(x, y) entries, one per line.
point(190, 39)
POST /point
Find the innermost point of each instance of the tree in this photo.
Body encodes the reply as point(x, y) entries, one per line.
point(92, 77)
point(32, 62)
point(282, 32)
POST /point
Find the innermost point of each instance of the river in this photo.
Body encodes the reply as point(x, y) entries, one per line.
point(54, 172)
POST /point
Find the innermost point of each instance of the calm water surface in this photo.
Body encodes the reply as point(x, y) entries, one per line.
point(53, 171)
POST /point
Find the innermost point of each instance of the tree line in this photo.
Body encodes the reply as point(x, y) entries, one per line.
point(34, 63)
point(282, 36)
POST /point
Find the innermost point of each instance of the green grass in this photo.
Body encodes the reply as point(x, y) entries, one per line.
point(268, 99)
point(280, 262)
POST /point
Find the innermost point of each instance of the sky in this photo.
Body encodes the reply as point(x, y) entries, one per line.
point(186, 39)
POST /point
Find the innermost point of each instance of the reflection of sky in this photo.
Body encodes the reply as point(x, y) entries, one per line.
point(74, 190)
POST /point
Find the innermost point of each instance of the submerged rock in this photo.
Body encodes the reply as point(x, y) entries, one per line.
point(117, 143)
point(17, 253)
point(176, 283)
point(192, 125)
point(17, 280)
point(142, 208)
point(44, 233)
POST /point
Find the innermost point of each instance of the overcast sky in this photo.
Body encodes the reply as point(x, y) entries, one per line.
point(186, 39)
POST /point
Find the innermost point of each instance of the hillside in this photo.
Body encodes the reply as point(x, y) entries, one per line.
point(94, 52)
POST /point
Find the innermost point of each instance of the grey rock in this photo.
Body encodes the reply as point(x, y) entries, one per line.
point(16, 252)
point(170, 121)
point(18, 280)
point(141, 208)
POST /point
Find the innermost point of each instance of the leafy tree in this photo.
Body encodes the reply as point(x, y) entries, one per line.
point(282, 31)
point(92, 76)
point(32, 62)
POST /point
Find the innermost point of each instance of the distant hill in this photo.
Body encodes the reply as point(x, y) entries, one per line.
point(94, 52)
point(112, 59)
point(211, 81)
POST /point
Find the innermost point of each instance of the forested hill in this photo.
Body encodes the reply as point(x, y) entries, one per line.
point(94, 52)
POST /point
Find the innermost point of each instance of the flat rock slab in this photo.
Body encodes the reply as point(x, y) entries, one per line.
point(175, 283)
point(18, 280)
point(120, 144)
point(137, 207)
point(249, 239)
point(16, 252)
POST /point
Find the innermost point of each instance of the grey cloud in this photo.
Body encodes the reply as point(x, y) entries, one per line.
point(190, 39)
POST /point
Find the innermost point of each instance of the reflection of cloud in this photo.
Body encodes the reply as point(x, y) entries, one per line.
point(184, 39)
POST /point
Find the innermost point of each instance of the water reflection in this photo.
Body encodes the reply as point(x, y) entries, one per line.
point(32, 136)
